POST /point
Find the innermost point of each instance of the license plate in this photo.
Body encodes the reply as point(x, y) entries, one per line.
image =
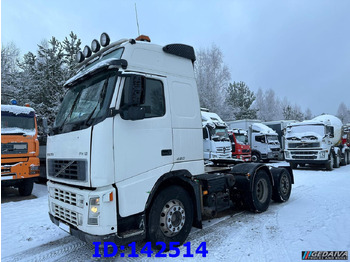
point(64, 227)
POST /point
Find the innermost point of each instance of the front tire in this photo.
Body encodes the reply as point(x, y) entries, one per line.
point(256, 157)
point(170, 217)
point(258, 200)
point(330, 163)
point(26, 187)
point(336, 161)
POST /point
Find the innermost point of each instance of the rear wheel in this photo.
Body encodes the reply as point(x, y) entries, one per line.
point(258, 200)
point(170, 217)
point(26, 187)
point(283, 187)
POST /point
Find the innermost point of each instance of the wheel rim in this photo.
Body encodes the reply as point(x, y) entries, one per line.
point(172, 218)
point(261, 190)
point(284, 184)
point(254, 158)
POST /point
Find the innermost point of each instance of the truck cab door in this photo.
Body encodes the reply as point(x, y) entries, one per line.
point(142, 130)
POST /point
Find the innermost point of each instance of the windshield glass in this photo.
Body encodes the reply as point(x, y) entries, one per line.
point(318, 129)
point(17, 124)
point(242, 139)
point(272, 139)
point(87, 101)
point(219, 134)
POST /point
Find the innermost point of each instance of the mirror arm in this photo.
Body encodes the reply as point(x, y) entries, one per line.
point(112, 112)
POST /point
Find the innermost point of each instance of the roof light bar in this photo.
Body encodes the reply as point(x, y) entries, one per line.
point(104, 39)
point(79, 57)
point(95, 46)
point(87, 51)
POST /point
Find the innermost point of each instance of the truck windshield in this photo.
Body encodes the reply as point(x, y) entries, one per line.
point(272, 139)
point(242, 139)
point(86, 103)
point(318, 129)
point(17, 123)
point(219, 134)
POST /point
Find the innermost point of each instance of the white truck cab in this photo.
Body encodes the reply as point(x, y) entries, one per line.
point(125, 155)
point(216, 141)
point(316, 142)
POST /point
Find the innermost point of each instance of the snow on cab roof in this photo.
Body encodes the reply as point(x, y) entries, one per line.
point(259, 127)
point(16, 110)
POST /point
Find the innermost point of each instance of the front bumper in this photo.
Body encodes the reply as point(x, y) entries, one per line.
point(71, 205)
point(17, 169)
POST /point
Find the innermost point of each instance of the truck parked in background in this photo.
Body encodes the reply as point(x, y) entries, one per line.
point(240, 146)
point(125, 155)
point(279, 127)
point(19, 148)
point(216, 142)
point(262, 139)
point(346, 134)
point(316, 142)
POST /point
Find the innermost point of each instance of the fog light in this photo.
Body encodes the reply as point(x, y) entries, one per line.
point(34, 170)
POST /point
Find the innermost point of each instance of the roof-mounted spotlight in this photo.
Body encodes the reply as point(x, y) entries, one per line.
point(79, 57)
point(95, 46)
point(87, 51)
point(104, 39)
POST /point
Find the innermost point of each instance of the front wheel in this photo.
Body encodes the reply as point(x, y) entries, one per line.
point(170, 217)
point(26, 187)
point(330, 163)
point(283, 187)
point(258, 200)
point(256, 157)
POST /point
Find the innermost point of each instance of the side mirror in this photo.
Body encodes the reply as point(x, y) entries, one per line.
point(134, 113)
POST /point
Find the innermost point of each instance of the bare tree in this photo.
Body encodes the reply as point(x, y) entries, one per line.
point(9, 71)
point(212, 77)
point(343, 113)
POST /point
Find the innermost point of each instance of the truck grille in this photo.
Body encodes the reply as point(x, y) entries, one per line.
point(304, 155)
point(68, 169)
point(275, 149)
point(14, 148)
point(245, 150)
point(223, 149)
point(68, 197)
point(66, 215)
point(303, 145)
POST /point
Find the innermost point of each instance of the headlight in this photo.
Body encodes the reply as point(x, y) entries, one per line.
point(287, 154)
point(322, 154)
point(94, 210)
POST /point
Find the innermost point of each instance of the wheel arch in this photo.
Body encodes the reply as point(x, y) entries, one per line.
point(250, 170)
point(182, 178)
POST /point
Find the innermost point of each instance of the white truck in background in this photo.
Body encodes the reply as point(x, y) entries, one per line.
point(125, 155)
point(216, 142)
point(279, 126)
point(262, 139)
point(316, 142)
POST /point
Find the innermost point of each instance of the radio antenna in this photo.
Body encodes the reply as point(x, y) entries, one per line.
point(137, 21)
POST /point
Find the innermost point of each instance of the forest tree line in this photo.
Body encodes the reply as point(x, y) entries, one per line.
point(38, 78)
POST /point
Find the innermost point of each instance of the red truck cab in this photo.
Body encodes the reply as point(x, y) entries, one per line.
point(240, 147)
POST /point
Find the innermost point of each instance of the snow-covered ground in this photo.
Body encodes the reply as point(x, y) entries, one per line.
point(316, 218)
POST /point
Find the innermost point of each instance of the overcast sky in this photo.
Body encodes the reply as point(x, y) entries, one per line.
point(300, 48)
